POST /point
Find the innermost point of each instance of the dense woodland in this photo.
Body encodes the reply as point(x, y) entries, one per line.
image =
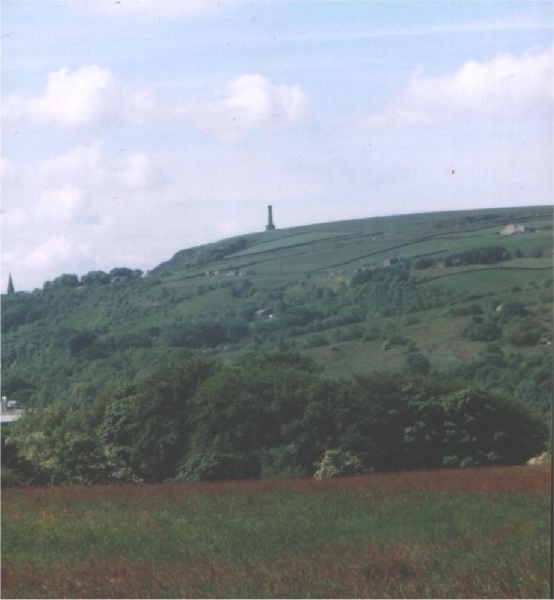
point(265, 355)
point(272, 416)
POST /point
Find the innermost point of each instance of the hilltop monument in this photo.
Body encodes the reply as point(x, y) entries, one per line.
point(11, 289)
point(270, 226)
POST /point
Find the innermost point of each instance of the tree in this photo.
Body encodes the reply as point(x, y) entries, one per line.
point(338, 463)
point(63, 281)
point(81, 341)
point(481, 428)
point(94, 278)
point(12, 384)
point(513, 308)
point(424, 263)
point(526, 332)
point(417, 364)
point(61, 444)
point(126, 273)
point(150, 424)
point(482, 331)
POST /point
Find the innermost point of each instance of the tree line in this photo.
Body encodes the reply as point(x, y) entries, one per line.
point(273, 415)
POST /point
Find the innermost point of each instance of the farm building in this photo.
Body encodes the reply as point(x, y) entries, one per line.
point(390, 261)
point(514, 229)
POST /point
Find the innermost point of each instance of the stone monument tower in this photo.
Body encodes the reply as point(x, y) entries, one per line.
point(270, 226)
point(11, 289)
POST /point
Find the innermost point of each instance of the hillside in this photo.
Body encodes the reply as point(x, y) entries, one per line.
point(443, 291)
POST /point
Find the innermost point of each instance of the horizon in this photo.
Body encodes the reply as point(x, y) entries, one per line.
point(164, 125)
point(261, 232)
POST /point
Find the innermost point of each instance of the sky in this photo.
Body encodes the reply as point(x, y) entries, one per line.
point(132, 129)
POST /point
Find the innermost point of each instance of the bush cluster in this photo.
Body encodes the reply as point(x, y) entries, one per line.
point(273, 415)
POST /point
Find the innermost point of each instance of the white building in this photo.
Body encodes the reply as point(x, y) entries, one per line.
point(513, 229)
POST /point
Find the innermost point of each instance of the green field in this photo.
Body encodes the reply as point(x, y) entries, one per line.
point(300, 239)
point(470, 533)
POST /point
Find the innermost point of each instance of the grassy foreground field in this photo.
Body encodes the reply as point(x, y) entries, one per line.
point(472, 533)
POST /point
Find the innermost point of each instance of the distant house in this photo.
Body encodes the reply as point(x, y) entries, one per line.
point(390, 261)
point(514, 229)
point(9, 418)
point(10, 411)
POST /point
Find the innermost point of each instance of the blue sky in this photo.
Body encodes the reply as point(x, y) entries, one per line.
point(134, 128)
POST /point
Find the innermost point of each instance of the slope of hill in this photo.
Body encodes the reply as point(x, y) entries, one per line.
point(443, 291)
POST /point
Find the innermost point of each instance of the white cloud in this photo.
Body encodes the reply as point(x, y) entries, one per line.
point(14, 217)
point(229, 228)
point(91, 97)
point(88, 165)
point(84, 165)
point(103, 226)
point(247, 102)
point(505, 87)
point(253, 101)
point(62, 204)
point(6, 169)
point(55, 251)
point(76, 211)
point(88, 97)
point(138, 173)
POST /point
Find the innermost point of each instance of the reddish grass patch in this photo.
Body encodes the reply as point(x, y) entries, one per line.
point(398, 571)
point(485, 480)
point(501, 561)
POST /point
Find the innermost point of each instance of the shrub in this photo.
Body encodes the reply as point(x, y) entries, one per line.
point(202, 467)
point(373, 333)
point(513, 308)
point(481, 256)
point(282, 461)
point(316, 341)
point(527, 332)
point(417, 364)
point(459, 311)
point(482, 332)
point(424, 263)
point(338, 463)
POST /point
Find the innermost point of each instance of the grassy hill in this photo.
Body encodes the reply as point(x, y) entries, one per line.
point(464, 297)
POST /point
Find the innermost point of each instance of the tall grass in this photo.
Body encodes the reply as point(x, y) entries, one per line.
point(464, 533)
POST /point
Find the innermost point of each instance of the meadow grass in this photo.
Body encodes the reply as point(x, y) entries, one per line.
point(451, 533)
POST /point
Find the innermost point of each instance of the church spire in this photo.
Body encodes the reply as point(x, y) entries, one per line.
point(11, 289)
